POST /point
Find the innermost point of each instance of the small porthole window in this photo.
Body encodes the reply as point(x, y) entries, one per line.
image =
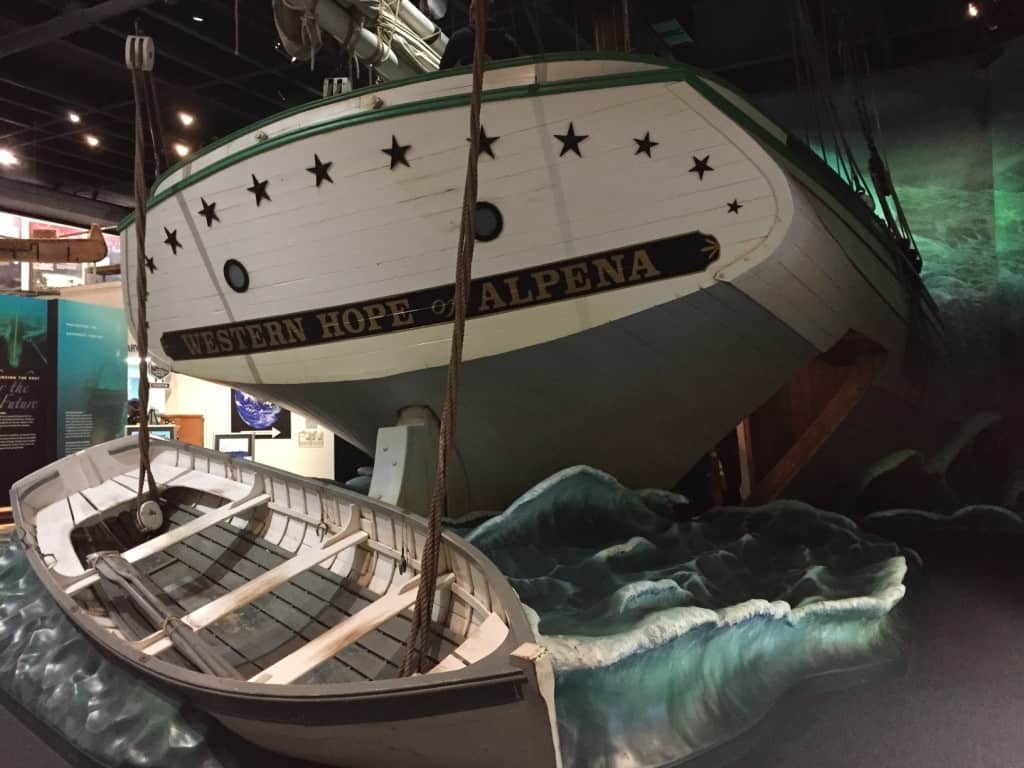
point(236, 275)
point(488, 222)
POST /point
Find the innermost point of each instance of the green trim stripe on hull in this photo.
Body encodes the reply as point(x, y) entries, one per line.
point(342, 97)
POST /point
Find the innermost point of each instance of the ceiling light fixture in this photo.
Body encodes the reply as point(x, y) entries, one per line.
point(8, 158)
point(182, 150)
point(973, 10)
point(186, 118)
point(200, 19)
point(74, 117)
point(92, 141)
point(294, 59)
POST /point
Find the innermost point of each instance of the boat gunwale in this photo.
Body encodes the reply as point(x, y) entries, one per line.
point(495, 671)
point(518, 61)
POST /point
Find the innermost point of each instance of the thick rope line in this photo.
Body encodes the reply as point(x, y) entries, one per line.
point(142, 289)
point(416, 646)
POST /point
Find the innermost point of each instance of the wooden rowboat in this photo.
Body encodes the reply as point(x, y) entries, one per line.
point(281, 606)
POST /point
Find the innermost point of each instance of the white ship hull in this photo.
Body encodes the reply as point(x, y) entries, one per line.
point(627, 317)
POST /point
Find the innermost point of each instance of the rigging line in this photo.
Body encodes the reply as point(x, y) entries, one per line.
point(416, 647)
point(135, 58)
point(798, 74)
point(838, 138)
point(806, 39)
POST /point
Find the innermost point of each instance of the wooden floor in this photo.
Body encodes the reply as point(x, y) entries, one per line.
point(220, 559)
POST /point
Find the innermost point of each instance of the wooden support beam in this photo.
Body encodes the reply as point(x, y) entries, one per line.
point(337, 638)
point(67, 23)
point(860, 360)
point(172, 537)
point(217, 609)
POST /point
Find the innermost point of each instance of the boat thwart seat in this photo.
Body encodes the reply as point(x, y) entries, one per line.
point(312, 654)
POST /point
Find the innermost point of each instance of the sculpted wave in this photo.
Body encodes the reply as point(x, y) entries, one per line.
point(54, 673)
point(673, 634)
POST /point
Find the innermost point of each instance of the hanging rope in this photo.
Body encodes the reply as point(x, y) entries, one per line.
point(416, 647)
point(139, 55)
point(857, 67)
point(819, 75)
point(312, 36)
point(387, 22)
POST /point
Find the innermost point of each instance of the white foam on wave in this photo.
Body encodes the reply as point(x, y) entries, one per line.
point(548, 508)
point(573, 653)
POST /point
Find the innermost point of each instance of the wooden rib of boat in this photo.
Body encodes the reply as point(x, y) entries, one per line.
point(281, 606)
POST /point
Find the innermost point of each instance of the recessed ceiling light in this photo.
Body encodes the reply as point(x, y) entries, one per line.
point(8, 158)
point(74, 117)
point(973, 10)
point(91, 140)
point(198, 18)
point(186, 118)
point(294, 59)
point(182, 150)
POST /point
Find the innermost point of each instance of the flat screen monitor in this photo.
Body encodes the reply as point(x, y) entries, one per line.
point(158, 431)
point(238, 446)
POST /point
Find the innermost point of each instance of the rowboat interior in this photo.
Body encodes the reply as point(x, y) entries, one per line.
point(250, 574)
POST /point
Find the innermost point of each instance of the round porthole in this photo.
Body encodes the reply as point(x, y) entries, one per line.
point(236, 275)
point(488, 222)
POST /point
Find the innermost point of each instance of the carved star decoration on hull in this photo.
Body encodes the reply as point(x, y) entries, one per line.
point(645, 145)
point(321, 170)
point(487, 142)
point(172, 240)
point(259, 188)
point(397, 152)
point(209, 212)
point(702, 166)
point(571, 141)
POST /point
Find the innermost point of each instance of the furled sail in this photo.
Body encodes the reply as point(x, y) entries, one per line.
point(394, 36)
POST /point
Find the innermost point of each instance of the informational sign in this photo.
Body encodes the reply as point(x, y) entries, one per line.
point(91, 398)
point(261, 418)
point(311, 438)
point(27, 389)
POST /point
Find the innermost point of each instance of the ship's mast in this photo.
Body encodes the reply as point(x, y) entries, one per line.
point(611, 23)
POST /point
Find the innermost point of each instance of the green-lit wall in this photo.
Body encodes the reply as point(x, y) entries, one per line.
point(954, 137)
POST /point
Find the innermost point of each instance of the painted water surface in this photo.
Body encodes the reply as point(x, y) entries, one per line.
point(672, 635)
point(49, 668)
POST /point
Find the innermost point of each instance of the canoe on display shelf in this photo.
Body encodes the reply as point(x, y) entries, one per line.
point(656, 259)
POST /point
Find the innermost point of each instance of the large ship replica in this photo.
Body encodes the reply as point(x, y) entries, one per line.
point(657, 260)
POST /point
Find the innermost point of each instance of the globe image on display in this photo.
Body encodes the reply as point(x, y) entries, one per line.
point(257, 414)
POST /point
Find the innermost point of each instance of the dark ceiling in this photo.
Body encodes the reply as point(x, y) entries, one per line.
point(56, 57)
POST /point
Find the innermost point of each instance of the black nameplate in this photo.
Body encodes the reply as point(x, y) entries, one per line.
point(570, 279)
